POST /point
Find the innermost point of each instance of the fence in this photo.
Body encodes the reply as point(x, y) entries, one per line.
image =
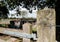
point(46, 25)
point(26, 33)
point(45, 31)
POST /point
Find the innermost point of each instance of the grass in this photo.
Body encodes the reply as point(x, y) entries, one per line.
point(4, 25)
point(34, 29)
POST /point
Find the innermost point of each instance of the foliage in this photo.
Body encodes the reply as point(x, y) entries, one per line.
point(30, 3)
point(6, 5)
point(3, 10)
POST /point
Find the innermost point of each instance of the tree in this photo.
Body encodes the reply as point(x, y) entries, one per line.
point(3, 10)
point(23, 13)
point(51, 3)
point(30, 3)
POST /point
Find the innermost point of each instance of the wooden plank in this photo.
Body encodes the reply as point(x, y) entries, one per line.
point(18, 33)
point(9, 29)
point(46, 25)
point(27, 29)
point(6, 21)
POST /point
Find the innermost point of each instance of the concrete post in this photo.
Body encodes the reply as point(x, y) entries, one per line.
point(46, 25)
point(27, 29)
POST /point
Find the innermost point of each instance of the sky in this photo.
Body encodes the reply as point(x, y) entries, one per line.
point(28, 15)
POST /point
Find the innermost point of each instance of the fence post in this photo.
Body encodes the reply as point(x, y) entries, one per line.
point(46, 25)
point(27, 29)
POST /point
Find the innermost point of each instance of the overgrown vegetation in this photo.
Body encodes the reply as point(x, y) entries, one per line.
point(6, 5)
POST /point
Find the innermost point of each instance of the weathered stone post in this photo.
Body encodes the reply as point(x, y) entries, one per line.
point(27, 29)
point(46, 25)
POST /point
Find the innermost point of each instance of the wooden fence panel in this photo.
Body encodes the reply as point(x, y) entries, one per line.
point(46, 25)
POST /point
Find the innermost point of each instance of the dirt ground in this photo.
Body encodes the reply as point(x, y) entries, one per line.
point(6, 38)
